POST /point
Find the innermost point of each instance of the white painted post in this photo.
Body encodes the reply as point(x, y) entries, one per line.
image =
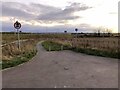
point(49, 48)
point(61, 47)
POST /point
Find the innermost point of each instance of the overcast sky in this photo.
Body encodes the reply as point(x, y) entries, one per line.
point(60, 15)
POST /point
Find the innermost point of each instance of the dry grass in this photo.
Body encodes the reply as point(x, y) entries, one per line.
point(10, 51)
point(109, 44)
point(106, 44)
point(6, 37)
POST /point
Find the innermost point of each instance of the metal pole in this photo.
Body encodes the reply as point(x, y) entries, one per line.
point(18, 39)
point(76, 40)
point(14, 31)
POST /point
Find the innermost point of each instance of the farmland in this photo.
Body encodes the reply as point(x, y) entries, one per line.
point(109, 44)
point(106, 44)
point(9, 37)
point(89, 45)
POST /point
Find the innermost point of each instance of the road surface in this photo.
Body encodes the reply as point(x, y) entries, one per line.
point(63, 69)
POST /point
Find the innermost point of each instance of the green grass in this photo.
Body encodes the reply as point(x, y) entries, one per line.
point(51, 46)
point(97, 52)
point(18, 60)
point(55, 46)
point(12, 56)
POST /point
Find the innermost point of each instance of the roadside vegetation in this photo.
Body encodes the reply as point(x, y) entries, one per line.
point(18, 60)
point(12, 56)
point(95, 52)
point(51, 46)
point(99, 46)
point(57, 46)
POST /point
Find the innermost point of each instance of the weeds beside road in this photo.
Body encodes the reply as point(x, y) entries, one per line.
point(57, 46)
point(18, 60)
point(99, 46)
point(12, 56)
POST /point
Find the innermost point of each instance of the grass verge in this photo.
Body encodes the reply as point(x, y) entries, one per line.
point(12, 56)
point(89, 51)
point(55, 46)
point(18, 60)
point(51, 46)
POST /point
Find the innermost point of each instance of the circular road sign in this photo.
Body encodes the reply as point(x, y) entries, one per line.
point(17, 25)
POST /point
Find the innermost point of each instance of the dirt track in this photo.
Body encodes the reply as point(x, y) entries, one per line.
point(63, 69)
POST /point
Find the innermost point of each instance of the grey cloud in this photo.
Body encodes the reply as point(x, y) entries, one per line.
point(14, 12)
point(43, 13)
point(84, 25)
point(14, 9)
point(66, 14)
point(19, 10)
point(8, 26)
point(44, 8)
point(77, 7)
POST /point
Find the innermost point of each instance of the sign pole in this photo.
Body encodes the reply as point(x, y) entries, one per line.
point(17, 25)
point(18, 39)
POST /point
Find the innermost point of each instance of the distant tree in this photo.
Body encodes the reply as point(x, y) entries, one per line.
point(101, 31)
point(108, 31)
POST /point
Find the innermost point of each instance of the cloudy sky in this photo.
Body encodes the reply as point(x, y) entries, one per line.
point(60, 15)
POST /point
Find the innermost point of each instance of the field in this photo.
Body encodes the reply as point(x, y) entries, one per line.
point(10, 37)
point(97, 50)
point(108, 46)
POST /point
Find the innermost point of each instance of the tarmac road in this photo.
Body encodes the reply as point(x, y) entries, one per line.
point(63, 69)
